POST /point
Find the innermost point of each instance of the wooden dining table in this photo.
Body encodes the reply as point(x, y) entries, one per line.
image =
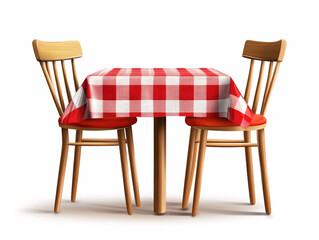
point(158, 93)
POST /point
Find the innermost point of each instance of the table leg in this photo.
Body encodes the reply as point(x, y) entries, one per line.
point(160, 165)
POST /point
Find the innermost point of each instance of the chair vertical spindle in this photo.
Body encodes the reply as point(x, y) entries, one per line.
point(48, 69)
point(51, 87)
point(263, 110)
point(258, 88)
point(68, 92)
point(76, 83)
point(269, 77)
point(249, 81)
point(58, 85)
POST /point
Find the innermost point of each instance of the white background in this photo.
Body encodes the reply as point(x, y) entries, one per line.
point(158, 34)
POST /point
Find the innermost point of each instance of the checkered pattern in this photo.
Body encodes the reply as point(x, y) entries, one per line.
point(158, 92)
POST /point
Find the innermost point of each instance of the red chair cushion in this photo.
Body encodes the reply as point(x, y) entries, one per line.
point(221, 122)
point(110, 122)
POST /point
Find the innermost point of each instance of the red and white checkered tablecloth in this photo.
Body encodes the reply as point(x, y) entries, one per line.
point(158, 92)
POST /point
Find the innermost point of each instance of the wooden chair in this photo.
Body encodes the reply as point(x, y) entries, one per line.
point(272, 52)
point(53, 52)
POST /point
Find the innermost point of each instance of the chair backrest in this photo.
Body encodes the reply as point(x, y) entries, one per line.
point(52, 52)
point(265, 52)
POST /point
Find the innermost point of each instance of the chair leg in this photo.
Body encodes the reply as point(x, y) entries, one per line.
point(263, 167)
point(195, 155)
point(131, 152)
point(64, 157)
point(190, 167)
point(76, 165)
point(126, 181)
point(250, 169)
point(200, 167)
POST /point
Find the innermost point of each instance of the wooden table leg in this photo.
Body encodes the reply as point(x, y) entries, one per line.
point(160, 165)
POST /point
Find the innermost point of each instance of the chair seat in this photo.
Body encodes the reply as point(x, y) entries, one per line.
point(221, 122)
point(110, 122)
